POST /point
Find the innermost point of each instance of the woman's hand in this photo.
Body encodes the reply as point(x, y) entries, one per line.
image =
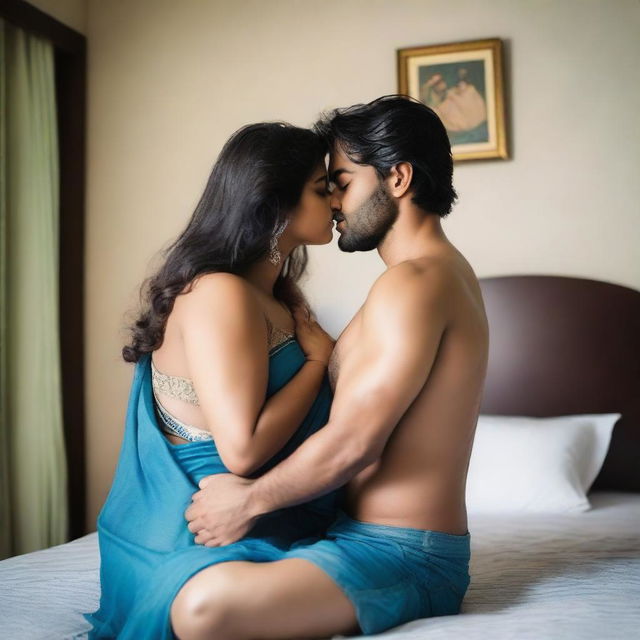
point(316, 343)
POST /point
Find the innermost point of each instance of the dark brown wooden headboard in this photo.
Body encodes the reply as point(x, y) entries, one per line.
point(562, 345)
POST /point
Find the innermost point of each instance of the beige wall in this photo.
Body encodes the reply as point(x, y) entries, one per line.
point(170, 81)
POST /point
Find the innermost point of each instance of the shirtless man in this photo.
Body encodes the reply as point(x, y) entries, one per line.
point(408, 374)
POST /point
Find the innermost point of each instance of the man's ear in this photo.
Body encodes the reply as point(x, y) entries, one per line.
point(399, 179)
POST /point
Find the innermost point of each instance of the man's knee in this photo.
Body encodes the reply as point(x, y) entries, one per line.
point(204, 607)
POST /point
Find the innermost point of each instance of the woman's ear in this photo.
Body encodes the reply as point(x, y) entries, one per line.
point(399, 179)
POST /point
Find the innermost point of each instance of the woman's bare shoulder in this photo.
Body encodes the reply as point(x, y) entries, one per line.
point(217, 292)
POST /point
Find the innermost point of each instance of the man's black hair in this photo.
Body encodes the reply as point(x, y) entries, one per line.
point(392, 129)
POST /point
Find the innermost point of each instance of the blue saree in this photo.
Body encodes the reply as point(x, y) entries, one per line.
point(147, 552)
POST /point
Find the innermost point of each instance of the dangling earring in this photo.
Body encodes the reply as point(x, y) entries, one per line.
point(274, 253)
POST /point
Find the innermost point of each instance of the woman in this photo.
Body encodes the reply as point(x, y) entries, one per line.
point(230, 376)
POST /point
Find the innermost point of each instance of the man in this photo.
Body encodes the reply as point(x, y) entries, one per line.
point(408, 374)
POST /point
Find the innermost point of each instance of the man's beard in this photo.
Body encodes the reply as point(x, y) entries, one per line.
point(367, 226)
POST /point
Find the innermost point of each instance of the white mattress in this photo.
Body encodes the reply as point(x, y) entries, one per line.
point(552, 577)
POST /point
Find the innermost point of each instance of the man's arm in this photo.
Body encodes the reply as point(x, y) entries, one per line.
point(403, 322)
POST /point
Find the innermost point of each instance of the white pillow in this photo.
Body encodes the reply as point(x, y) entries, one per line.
point(526, 464)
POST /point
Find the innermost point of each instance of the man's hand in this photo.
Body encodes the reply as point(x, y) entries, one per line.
point(221, 512)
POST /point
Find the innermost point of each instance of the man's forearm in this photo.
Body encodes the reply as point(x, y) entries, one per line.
point(318, 466)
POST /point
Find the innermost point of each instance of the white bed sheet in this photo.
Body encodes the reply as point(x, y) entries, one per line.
point(551, 577)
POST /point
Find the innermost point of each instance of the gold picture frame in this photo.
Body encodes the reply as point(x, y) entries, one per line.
point(463, 82)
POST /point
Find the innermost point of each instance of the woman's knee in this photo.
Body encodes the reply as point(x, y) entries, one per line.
point(203, 608)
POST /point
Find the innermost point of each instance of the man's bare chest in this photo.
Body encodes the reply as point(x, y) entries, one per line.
point(346, 341)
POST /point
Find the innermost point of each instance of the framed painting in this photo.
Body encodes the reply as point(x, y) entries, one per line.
point(463, 83)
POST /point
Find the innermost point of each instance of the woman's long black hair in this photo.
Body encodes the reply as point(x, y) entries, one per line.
point(255, 182)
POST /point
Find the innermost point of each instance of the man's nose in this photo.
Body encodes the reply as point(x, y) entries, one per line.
point(334, 203)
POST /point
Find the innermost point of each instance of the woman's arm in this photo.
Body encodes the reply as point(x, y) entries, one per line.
point(283, 413)
point(225, 343)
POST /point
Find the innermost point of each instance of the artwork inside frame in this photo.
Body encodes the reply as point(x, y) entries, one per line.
point(463, 83)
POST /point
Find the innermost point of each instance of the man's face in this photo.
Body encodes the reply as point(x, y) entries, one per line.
point(361, 202)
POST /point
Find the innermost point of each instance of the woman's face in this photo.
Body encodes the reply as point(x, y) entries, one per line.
point(311, 222)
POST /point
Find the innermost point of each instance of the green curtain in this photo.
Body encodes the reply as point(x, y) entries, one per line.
point(32, 456)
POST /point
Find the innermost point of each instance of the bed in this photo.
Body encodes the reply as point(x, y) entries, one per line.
point(559, 346)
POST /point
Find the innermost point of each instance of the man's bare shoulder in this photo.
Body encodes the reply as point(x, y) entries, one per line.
point(408, 299)
point(443, 287)
point(421, 279)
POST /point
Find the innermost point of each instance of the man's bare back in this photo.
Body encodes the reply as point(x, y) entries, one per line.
point(419, 481)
